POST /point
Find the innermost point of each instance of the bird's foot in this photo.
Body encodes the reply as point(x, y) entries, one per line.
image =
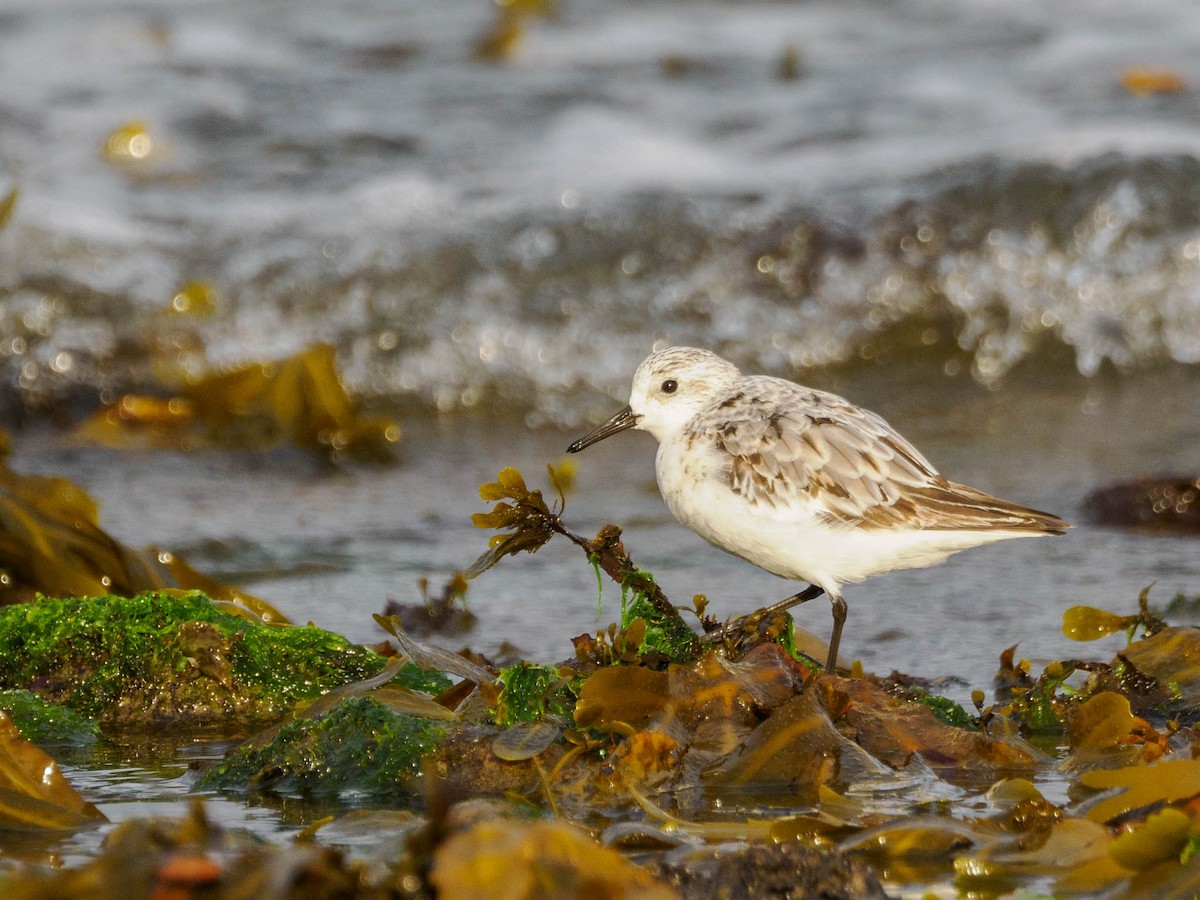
point(744, 632)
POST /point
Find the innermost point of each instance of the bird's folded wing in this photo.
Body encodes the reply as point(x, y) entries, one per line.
point(852, 468)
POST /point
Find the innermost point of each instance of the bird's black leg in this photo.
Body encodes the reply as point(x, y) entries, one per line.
point(839, 619)
point(795, 600)
point(809, 593)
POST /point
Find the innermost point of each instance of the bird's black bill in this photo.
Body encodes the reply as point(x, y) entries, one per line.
point(621, 421)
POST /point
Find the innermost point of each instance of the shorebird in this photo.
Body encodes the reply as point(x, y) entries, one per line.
point(802, 482)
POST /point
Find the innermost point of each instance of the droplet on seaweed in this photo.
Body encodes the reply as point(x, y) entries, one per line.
point(192, 299)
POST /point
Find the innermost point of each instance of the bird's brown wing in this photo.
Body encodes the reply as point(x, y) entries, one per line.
point(788, 447)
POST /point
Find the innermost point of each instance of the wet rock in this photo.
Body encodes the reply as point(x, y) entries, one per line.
point(466, 759)
point(1169, 503)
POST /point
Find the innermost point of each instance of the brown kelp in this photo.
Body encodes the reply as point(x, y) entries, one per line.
point(298, 400)
point(34, 795)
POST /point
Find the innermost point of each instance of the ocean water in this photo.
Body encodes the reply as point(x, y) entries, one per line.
point(953, 212)
point(951, 181)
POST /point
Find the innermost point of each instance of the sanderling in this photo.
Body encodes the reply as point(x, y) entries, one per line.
point(802, 482)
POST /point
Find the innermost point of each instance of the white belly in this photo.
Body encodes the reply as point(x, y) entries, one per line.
point(792, 541)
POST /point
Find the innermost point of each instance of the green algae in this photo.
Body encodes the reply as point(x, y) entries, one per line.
point(1039, 710)
point(530, 693)
point(358, 746)
point(173, 658)
point(47, 723)
point(787, 640)
point(666, 635)
point(945, 710)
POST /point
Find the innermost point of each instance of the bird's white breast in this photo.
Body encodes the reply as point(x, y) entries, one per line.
point(792, 540)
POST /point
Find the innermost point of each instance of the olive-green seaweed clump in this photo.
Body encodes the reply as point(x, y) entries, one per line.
point(47, 723)
point(171, 658)
point(358, 746)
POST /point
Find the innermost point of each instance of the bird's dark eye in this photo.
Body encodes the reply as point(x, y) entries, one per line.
point(670, 386)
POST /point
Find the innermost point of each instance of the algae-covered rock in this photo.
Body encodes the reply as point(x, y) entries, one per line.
point(173, 658)
point(358, 746)
point(47, 723)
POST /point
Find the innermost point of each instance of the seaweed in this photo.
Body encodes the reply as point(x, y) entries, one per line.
point(7, 204)
point(530, 693)
point(170, 658)
point(531, 523)
point(444, 613)
point(34, 795)
point(665, 741)
point(1087, 623)
point(299, 400)
point(358, 745)
point(193, 857)
point(501, 40)
point(47, 723)
point(514, 859)
point(766, 729)
point(1144, 81)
